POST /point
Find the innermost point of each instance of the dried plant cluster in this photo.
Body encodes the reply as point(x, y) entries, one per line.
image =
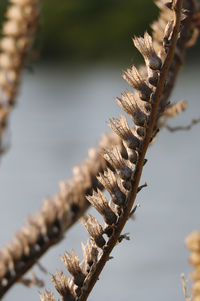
point(121, 179)
point(193, 244)
point(117, 163)
point(18, 32)
point(56, 215)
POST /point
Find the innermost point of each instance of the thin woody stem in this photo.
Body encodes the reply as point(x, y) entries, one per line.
point(119, 227)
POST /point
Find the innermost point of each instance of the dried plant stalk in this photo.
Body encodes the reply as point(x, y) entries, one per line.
point(122, 179)
point(56, 216)
point(193, 244)
point(17, 37)
point(59, 213)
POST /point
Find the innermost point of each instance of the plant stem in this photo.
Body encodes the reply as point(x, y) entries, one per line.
point(163, 75)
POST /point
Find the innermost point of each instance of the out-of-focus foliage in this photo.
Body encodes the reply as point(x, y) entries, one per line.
point(91, 29)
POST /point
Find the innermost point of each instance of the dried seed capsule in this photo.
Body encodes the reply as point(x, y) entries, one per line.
point(195, 275)
point(141, 131)
point(15, 249)
point(7, 258)
point(99, 201)
point(47, 296)
point(193, 241)
point(145, 46)
point(90, 253)
point(49, 211)
point(118, 163)
point(135, 80)
point(73, 265)
point(7, 44)
point(123, 151)
point(153, 77)
point(3, 269)
point(127, 185)
point(63, 285)
point(122, 129)
point(22, 238)
point(195, 258)
point(94, 229)
point(109, 181)
point(168, 34)
point(195, 290)
point(132, 155)
point(129, 103)
point(31, 233)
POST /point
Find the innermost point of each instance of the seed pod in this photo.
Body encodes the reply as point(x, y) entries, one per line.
point(109, 181)
point(31, 233)
point(99, 201)
point(153, 77)
point(63, 285)
point(15, 249)
point(94, 229)
point(49, 211)
point(118, 163)
point(90, 253)
point(72, 263)
point(7, 258)
point(141, 131)
point(122, 129)
point(145, 46)
point(47, 296)
point(195, 275)
point(135, 80)
point(129, 103)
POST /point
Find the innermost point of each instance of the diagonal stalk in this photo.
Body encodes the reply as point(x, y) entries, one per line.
point(119, 227)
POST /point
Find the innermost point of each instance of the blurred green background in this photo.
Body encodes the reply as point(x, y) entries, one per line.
point(85, 30)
